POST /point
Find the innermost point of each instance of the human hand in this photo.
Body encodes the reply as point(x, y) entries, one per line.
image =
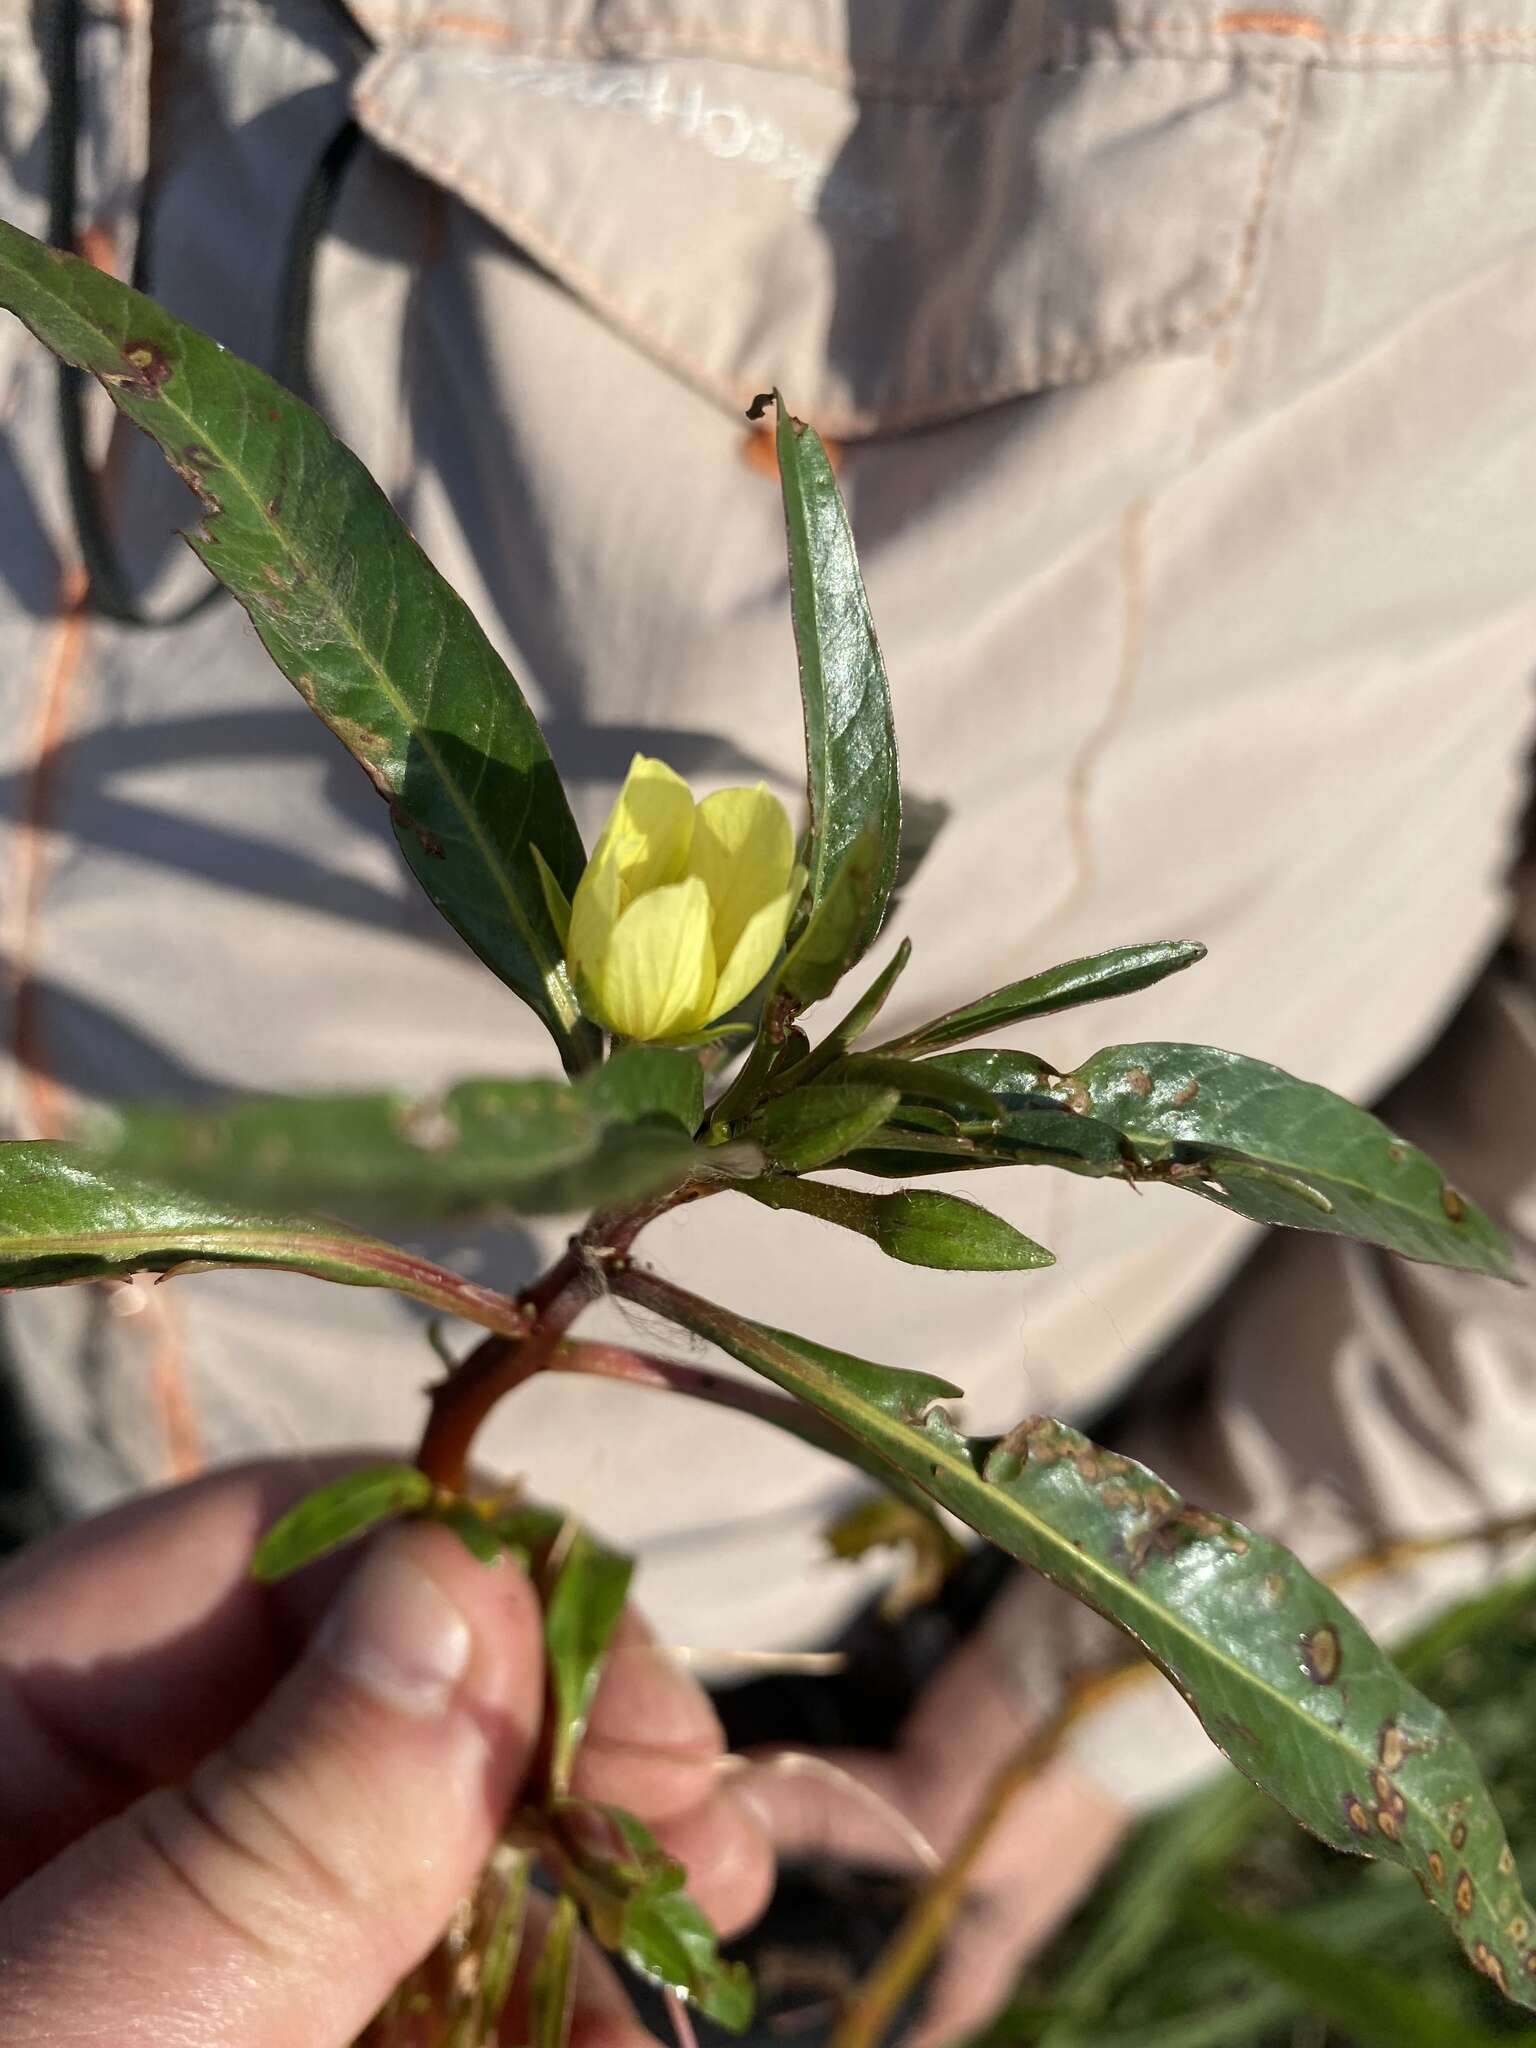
point(236, 1815)
point(1054, 1838)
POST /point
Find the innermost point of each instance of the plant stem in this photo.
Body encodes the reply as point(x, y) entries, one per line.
point(500, 1363)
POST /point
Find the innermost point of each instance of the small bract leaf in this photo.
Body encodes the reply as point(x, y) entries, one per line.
point(916, 1225)
point(335, 1514)
point(631, 1894)
point(581, 1612)
point(551, 1996)
point(813, 1126)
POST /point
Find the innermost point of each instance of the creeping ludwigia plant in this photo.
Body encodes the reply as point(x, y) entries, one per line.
point(683, 906)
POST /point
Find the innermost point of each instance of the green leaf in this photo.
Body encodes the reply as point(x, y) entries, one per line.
point(1101, 975)
point(1370, 2003)
point(477, 1535)
point(843, 1034)
point(351, 611)
point(529, 1147)
point(581, 1612)
point(832, 940)
point(650, 1081)
point(551, 1995)
point(916, 1225)
point(967, 1107)
point(1285, 1679)
point(850, 734)
point(63, 1219)
point(813, 1126)
point(1261, 1143)
point(333, 1515)
point(632, 1896)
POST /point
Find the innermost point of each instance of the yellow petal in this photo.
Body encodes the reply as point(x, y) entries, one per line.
point(649, 829)
point(595, 911)
point(658, 974)
point(743, 849)
point(755, 950)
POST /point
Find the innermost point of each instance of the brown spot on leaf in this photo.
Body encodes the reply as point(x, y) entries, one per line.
point(1387, 1821)
point(1321, 1655)
point(1397, 1154)
point(1454, 1207)
point(1484, 1959)
point(1356, 1815)
point(1079, 1101)
point(1464, 1894)
point(1391, 1747)
point(1506, 1861)
point(1185, 1094)
point(1437, 1866)
point(150, 366)
point(1273, 1587)
point(1459, 1835)
point(1139, 1081)
point(1519, 1928)
point(427, 840)
point(1387, 1794)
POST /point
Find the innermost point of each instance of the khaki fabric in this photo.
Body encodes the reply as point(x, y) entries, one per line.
point(1181, 361)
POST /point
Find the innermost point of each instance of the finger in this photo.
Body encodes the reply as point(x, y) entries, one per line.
point(845, 1804)
point(653, 1740)
point(279, 1894)
point(133, 1644)
point(728, 1856)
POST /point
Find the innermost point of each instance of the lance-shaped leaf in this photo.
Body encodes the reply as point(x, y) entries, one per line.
point(552, 1993)
point(349, 608)
point(632, 1896)
point(1094, 980)
point(1286, 1681)
point(1265, 1145)
point(337, 1514)
point(528, 1147)
point(814, 1125)
point(64, 1219)
point(919, 1226)
point(850, 735)
point(581, 1612)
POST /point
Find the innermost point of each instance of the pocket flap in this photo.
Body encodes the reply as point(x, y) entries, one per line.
point(888, 259)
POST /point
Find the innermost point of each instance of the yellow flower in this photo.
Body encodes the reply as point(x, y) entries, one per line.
point(683, 906)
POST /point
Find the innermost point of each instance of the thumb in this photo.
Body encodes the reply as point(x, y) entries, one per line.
point(280, 1893)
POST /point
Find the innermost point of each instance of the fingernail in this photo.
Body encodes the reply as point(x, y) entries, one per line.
point(395, 1633)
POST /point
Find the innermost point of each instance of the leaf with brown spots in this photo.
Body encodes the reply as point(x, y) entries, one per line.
point(526, 1147)
point(64, 1219)
point(1287, 1682)
point(1265, 1145)
point(349, 608)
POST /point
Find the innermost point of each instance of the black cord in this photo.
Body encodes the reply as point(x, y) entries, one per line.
point(316, 205)
point(108, 588)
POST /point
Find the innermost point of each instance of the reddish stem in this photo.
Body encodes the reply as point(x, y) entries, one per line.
point(499, 1363)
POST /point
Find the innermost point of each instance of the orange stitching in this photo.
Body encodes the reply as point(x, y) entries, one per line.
point(1242, 22)
point(1063, 366)
point(1266, 21)
point(44, 1103)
